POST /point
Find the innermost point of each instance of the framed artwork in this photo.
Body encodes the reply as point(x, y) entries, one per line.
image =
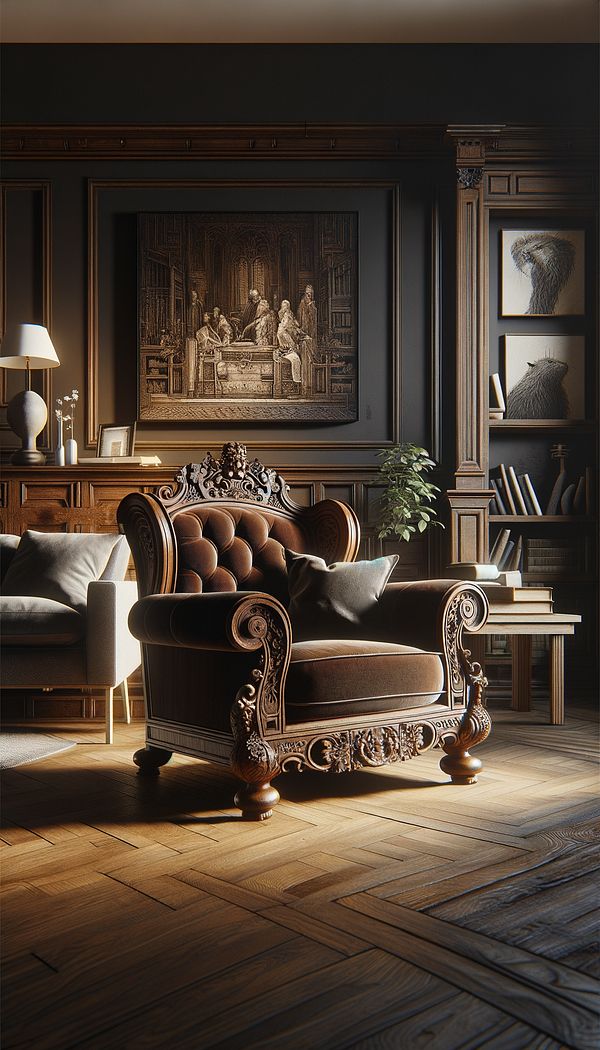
point(542, 273)
point(114, 440)
point(545, 376)
point(247, 316)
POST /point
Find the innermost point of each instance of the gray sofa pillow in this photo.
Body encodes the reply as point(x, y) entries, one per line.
point(58, 565)
point(330, 601)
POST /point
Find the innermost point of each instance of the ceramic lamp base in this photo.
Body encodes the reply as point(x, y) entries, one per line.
point(26, 414)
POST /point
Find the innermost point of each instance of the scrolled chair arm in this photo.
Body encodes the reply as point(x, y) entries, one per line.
point(230, 622)
point(432, 615)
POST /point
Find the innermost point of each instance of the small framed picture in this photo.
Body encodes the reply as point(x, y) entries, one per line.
point(115, 441)
point(545, 376)
point(543, 273)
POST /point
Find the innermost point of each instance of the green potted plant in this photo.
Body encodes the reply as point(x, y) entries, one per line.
point(406, 503)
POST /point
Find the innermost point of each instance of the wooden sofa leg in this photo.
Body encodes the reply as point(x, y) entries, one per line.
point(108, 701)
point(126, 706)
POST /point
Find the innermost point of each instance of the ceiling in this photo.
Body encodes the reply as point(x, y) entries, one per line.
point(299, 21)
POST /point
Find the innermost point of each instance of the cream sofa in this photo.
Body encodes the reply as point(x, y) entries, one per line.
point(63, 614)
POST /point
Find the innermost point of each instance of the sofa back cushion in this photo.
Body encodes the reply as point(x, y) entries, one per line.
point(235, 548)
point(58, 565)
point(8, 548)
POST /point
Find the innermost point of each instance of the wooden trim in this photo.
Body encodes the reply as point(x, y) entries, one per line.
point(96, 186)
point(287, 141)
point(435, 331)
point(396, 385)
point(507, 144)
point(45, 188)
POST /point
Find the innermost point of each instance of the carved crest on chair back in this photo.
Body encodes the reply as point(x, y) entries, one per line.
point(231, 477)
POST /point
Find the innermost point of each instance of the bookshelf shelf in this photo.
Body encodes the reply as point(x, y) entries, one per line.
point(541, 519)
point(516, 425)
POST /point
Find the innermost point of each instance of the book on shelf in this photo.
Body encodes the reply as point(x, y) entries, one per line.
point(503, 563)
point(516, 491)
point(529, 489)
point(140, 461)
point(511, 505)
point(514, 559)
point(498, 546)
point(497, 500)
point(496, 401)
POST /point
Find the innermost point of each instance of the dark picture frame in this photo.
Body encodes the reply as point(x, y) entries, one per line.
point(115, 440)
point(248, 316)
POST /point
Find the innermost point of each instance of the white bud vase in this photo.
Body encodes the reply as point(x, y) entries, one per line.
point(59, 452)
point(70, 452)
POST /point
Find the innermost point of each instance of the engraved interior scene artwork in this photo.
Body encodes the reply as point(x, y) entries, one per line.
point(247, 316)
point(542, 273)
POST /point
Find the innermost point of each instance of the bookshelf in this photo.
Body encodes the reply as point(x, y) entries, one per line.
point(533, 189)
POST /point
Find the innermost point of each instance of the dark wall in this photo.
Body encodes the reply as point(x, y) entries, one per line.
point(71, 84)
point(556, 84)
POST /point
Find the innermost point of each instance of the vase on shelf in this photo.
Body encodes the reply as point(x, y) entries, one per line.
point(70, 452)
point(59, 452)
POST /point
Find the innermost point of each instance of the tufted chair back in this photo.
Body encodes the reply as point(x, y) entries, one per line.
point(230, 547)
point(224, 526)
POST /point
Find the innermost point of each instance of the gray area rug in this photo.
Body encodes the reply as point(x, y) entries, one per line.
point(19, 748)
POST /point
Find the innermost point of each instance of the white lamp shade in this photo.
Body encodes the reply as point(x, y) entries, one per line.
point(27, 346)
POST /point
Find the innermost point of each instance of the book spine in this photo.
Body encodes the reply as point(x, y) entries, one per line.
point(512, 509)
point(504, 560)
point(499, 546)
point(515, 557)
point(498, 497)
point(497, 401)
point(537, 509)
point(518, 495)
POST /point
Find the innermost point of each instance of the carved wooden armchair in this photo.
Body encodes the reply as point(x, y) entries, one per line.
point(226, 680)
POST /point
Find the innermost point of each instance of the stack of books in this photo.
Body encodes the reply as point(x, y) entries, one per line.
point(532, 603)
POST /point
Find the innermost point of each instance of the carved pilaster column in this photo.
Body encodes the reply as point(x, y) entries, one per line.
point(470, 497)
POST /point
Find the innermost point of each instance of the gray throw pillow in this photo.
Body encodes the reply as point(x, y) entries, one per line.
point(58, 565)
point(330, 601)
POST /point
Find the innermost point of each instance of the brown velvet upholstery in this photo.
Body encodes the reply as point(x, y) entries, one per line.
point(234, 549)
point(347, 678)
point(224, 677)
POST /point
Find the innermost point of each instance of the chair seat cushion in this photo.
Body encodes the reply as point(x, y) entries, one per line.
point(343, 678)
point(39, 621)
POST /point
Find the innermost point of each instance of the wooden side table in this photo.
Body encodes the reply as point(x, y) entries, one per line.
point(521, 628)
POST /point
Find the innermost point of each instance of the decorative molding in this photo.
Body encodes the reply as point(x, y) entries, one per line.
point(222, 142)
point(292, 141)
point(469, 178)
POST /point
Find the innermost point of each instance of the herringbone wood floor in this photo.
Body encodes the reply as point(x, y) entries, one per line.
point(386, 909)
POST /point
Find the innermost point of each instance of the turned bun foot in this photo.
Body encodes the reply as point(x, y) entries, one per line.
point(256, 801)
point(150, 759)
point(461, 767)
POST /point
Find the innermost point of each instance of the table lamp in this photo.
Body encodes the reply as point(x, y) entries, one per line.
point(27, 346)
